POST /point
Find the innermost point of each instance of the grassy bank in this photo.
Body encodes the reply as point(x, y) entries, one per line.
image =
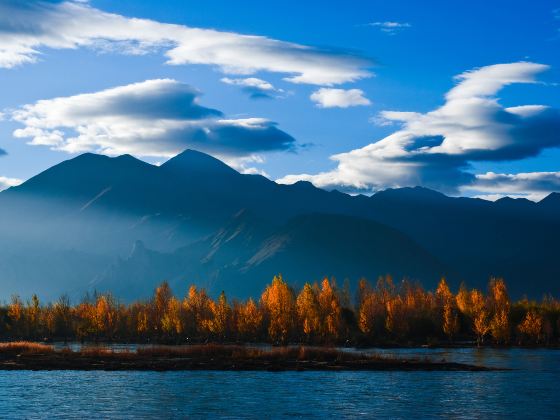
point(36, 356)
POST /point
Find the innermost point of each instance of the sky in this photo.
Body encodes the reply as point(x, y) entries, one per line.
point(359, 96)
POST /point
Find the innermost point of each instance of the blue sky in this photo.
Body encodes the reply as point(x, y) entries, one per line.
point(405, 55)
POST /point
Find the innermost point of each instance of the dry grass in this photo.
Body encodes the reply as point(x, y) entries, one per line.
point(25, 347)
point(236, 352)
point(198, 351)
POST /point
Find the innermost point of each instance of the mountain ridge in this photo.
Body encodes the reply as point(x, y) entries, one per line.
point(100, 206)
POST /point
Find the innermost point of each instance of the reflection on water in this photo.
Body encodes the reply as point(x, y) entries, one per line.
point(531, 390)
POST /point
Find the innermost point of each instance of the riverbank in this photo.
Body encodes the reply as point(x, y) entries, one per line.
point(34, 356)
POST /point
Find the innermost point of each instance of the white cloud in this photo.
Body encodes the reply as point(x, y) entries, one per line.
point(27, 28)
point(256, 88)
point(339, 98)
point(389, 27)
point(252, 82)
point(435, 149)
point(532, 185)
point(158, 118)
point(245, 164)
point(379, 121)
point(6, 182)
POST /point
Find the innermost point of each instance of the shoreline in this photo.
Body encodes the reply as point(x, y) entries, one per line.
point(342, 346)
point(38, 357)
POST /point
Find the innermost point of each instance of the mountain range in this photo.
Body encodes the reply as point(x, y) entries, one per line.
point(122, 225)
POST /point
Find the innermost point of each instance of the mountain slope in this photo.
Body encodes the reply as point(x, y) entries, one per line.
point(243, 256)
point(313, 246)
point(202, 221)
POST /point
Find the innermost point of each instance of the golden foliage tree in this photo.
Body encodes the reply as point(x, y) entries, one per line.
point(199, 310)
point(397, 317)
point(371, 314)
point(16, 315)
point(450, 320)
point(499, 325)
point(249, 320)
point(532, 326)
point(403, 313)
point(106, 316)
point(172, 322)
point(221, 317)
point(480, 316)
point(278, 301)
point(449, 317)
point(463, 300)
point(162, 296)
point(329, 306)
point(34, 317)
point(308, 311)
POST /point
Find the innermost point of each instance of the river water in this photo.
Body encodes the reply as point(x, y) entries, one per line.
point(530, 390)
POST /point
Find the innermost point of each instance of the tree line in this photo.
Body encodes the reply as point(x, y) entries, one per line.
point(382, 314)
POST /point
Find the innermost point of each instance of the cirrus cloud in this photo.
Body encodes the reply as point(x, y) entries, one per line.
point(389, 27)
point(157, 118)
point(27, 28)
point(435, 149)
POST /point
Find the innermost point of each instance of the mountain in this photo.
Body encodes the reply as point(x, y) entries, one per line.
point(551, 203)
point(243, 256)
point(120, 224)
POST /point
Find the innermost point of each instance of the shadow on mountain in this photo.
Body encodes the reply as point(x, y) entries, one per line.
point(120, 224)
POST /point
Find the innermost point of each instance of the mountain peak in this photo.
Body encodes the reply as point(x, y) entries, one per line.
point(94, 160)
point(304, 185)
point(416, 193)
point(193, 161)
point(551, 201)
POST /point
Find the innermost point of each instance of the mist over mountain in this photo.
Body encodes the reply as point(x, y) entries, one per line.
point(122, 225)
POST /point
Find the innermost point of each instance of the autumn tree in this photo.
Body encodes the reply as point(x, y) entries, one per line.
point(86, 325)
point(329, 307)
point(59, 318)
point(318, 314)
point(308, 311)
point(480, 316)
point(221, 317)
point(421, 310)
point(449, 317)
point(371, 315)
point(385, 288)
point(249, 320)
point(450, 320)
point(364, 289)
point(16, 316)
point(463, 301)
point(106, 316)
point(138, 319)
point(499, 301)
point(397, 321)
point(532, 326)
point(33, 311)
point(279, 304)
point(198, 311)
point(172, 323)
point(162, 297)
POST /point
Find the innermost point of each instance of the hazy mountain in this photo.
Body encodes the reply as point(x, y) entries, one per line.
point(247, 253)
point(124, 225)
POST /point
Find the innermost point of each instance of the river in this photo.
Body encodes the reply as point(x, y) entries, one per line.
point(531, 389)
